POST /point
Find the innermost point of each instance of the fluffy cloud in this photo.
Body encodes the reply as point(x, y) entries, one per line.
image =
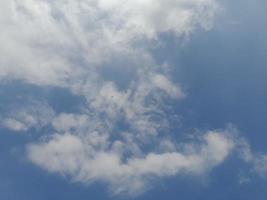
point(99, 51)
point(72, 44)
point(88, 47)
point(78, 158)
point(42, 41)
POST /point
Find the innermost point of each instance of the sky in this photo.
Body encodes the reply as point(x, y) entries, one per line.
point(122, 99)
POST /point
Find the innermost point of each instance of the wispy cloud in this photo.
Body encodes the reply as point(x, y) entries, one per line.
point(75, 45)
point(33, 115)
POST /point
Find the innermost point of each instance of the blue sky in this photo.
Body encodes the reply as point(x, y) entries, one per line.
point(133, 100)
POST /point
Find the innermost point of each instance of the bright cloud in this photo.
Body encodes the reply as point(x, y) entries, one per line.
point(80, 46)
point(77, 157)
point(42, 40)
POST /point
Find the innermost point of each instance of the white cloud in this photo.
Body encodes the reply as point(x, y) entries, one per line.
point(66, 121)
point(64, 43)
point(34, 115)
point(164, 84)
point(117, 136)
point(41, 40)
point(78, 158)
point(14, 124)
point(257, 161)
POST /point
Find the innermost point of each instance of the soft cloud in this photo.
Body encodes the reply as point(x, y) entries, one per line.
point(42, 41)
point(78, 158)
point(260, 165)
point(71, 44)
point(256, 161)
point(120, 136)
point(66, 122)
point(34, 115)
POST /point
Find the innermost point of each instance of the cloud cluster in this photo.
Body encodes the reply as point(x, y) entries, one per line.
point(56, 42)
point(88, 47)
point(78, 158)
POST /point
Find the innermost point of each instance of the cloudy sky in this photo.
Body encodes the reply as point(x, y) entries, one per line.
point(133, 99)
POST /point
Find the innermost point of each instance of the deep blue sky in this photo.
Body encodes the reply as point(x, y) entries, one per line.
point(224, 72)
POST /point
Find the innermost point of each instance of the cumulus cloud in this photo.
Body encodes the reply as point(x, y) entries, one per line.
point(120, 136)
point(73, 156)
